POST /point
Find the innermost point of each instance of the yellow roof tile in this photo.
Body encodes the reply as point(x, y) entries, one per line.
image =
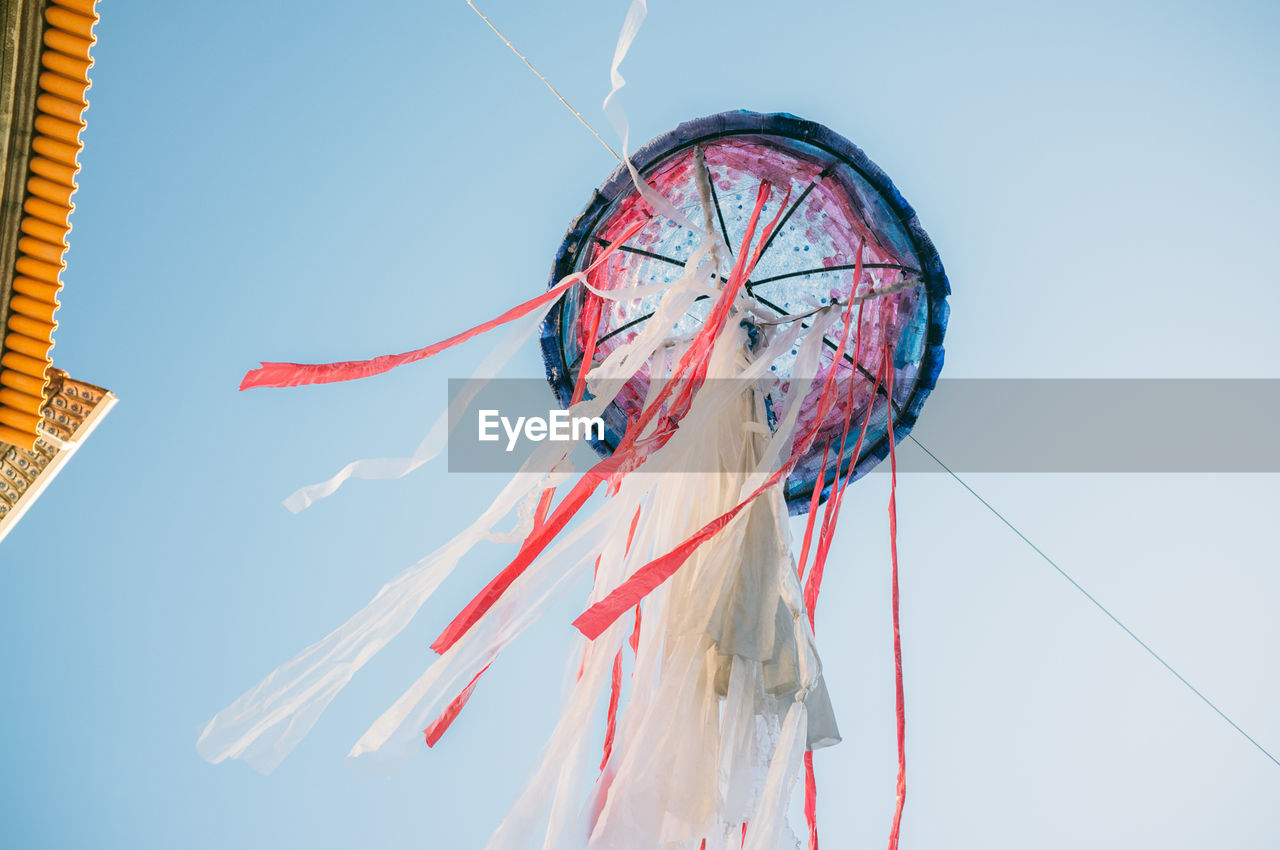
point(24, 358)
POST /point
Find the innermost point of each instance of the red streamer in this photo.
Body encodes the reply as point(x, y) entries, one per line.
point(593, 311)
point(533, 546)
point(634, 640)
point(813, 510)
point(298, 374)
point(693, 362)
point(611, 721)
point(442, 723)
point(643, 581)
point(897, 637)
point(626, 456)
point(811, 799)
point(814, 585)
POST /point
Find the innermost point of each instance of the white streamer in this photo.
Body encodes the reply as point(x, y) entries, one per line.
point(437, 438)
point(267, 722)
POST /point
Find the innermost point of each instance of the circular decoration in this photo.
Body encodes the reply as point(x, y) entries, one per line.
point(840, 202)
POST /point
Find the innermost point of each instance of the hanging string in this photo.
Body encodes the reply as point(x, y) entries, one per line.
point(1087, 595)
point(545, 81)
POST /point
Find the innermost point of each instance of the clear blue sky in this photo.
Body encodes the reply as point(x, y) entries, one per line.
point(324, 181)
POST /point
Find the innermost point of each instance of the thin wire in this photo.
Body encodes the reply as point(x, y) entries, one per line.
point(1097, 604)
point(545, 81)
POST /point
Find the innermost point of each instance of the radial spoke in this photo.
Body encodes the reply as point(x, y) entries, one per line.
point(820, 270)
point(833, 346)
point(796, 206)
point(827, 341)
point(624, 327)
point(659, 257)
point(724, 230)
